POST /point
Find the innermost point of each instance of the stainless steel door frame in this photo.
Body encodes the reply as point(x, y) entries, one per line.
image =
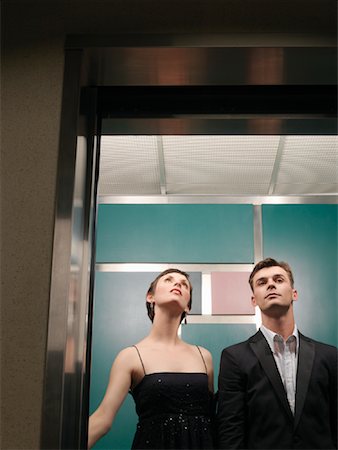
point(65, 408)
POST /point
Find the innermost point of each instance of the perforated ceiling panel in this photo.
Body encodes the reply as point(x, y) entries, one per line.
point(308, 165)
point(222, 165)
point(129, 165)
point(218, 164)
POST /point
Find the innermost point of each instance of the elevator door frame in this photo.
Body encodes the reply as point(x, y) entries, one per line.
point(66, 387)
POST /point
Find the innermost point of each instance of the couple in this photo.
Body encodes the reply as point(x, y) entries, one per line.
point(278, 390)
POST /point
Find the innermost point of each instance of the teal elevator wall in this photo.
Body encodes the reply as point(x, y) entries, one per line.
point(156, 233)
point(303, 235)
point(306, 237)
point(120, 320)
point(178, 233)
point(215, 337)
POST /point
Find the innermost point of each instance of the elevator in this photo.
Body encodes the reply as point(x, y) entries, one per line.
point(169, 92)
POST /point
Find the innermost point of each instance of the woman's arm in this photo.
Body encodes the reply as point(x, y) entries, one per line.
point(120, 379)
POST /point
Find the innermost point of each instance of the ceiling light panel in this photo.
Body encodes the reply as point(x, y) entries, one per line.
point(240, 165)
point(129, 166)
point(308, 164)
point(218, 165)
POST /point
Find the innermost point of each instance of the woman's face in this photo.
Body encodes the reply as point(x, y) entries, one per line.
point(172, 287)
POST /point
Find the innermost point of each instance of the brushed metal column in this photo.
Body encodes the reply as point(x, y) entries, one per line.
point(65, 402)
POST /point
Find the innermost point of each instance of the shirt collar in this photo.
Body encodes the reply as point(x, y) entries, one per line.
point(269, 336)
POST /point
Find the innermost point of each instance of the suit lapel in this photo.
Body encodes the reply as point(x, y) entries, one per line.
point(304, 369)
point(265, 357)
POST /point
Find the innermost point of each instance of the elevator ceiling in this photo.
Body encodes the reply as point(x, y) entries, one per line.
point(218, 165)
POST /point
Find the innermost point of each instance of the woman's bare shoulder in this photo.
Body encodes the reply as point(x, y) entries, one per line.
point(127, 357)
point(206, 353)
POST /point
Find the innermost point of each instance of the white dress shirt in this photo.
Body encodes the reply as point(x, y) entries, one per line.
point(286, 356)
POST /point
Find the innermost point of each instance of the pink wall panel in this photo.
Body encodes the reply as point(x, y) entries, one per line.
point(231, 293)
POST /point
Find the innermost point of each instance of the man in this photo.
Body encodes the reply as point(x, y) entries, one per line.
point(278, 389)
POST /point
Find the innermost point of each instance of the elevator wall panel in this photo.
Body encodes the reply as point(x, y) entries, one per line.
point(175, 233)
point(215, 337)
point(306, 237)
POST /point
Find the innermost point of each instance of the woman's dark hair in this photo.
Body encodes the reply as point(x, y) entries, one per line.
point(270, 262)
point(152, 288)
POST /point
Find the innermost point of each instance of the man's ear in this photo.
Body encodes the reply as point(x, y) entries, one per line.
point(294, 294)
point(253, 301)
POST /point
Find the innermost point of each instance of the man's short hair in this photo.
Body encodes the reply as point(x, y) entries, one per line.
point(270, 262)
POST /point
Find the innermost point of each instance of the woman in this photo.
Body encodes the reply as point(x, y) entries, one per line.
point(171, 381)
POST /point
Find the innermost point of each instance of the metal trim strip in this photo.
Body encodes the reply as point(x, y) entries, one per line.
point(219, 199)
point(146, 267)
point(61, 276)
point(258, 232)
point(209, 319)
point(275, 170)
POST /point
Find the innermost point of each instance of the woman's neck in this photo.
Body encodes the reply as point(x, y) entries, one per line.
point(165, 330)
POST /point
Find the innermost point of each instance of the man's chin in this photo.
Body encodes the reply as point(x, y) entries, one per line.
point(275, 308)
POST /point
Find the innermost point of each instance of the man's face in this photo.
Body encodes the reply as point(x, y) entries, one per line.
point(272, 290)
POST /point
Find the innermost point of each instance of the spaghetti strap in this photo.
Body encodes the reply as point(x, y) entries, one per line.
point(141, 359)
point(206, 369)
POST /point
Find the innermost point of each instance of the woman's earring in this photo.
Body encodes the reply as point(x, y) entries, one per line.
point(152, 310)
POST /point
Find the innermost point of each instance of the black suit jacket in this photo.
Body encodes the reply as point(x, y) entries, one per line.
point(253, 411)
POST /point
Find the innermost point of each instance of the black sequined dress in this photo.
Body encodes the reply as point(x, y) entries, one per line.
point(175, 411)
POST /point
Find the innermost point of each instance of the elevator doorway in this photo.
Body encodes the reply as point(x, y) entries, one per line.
point(237, 100)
